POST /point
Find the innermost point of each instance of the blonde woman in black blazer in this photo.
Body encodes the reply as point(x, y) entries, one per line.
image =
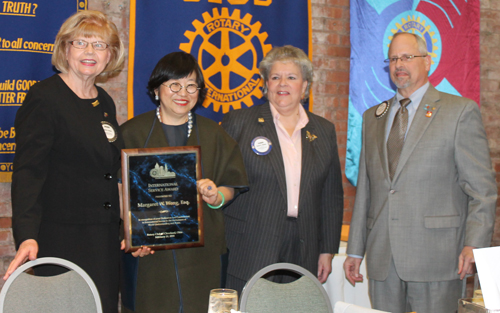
point(64, 188)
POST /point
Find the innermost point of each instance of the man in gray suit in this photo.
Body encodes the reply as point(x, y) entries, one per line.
point(426, 192)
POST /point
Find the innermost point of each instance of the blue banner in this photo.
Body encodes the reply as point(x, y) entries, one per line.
point(229, 38)
point(451, 31)
point(27, 34)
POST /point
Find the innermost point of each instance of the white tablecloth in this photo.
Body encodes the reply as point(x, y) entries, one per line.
point(339, 288)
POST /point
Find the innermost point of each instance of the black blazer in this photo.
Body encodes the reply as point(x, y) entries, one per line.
point(64, 167)
point(254, 222)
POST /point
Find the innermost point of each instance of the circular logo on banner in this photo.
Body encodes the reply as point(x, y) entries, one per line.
point(421, 25)
point(230, 50)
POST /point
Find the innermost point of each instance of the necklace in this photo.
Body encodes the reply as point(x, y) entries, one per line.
point(190, 120)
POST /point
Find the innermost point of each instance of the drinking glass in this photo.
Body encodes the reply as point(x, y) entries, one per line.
point(223, 301)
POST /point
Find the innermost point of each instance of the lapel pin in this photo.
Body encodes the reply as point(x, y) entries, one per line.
point(310, 136)
point(105, 114)
point(261, 120)
point(429, 110)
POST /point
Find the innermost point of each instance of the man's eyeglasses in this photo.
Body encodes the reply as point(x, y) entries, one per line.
point(82, 44)
point(403, 58)
point(176, 87)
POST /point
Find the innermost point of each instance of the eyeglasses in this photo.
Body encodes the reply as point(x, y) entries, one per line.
point(82, 44)
point(176, 87)
point(403, 58)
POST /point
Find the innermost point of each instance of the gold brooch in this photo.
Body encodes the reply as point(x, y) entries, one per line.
point(95, 103)
point(261, 120)
point(310, 136)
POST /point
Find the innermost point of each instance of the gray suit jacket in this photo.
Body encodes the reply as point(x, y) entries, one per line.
point(255, 221)
point(442, 197)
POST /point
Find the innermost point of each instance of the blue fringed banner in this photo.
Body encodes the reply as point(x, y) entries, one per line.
point(229, 38)
point(27, 34)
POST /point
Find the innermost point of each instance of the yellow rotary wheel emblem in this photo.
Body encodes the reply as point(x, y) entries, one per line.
point(228, 57)
point(417, 26)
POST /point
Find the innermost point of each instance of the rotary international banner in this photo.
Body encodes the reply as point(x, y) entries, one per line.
point(451, 31)
point(27, 34)
point(229, 38)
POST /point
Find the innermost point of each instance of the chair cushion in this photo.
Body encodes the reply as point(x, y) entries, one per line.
point(301, 296)
point(66, 292)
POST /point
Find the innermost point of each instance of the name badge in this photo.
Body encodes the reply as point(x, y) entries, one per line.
point(261, 145)
point(109, 130)
point(381, 109)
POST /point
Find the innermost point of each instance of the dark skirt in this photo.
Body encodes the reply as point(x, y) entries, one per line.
point(93, 247)
point(157, 290)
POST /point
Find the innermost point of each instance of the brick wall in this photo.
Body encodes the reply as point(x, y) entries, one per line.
point(331, 52)
point(490, 83)
point(331, 59)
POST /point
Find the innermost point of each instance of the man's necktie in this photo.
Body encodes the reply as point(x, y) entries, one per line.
point(397, 134)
